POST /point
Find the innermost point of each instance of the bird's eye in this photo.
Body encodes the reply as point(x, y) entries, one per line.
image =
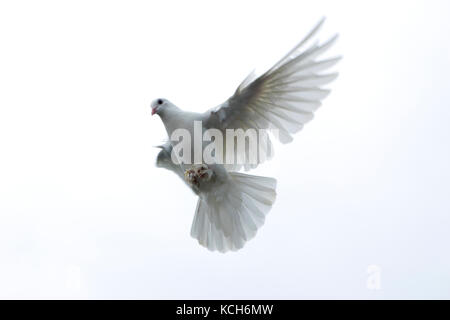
point(160, 101)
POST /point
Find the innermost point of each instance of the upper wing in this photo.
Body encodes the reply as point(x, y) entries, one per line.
point(284, 98)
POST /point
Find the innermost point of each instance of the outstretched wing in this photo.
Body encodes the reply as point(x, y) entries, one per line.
point(284, 98)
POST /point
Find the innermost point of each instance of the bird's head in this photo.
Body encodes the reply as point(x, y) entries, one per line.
point(160, 105)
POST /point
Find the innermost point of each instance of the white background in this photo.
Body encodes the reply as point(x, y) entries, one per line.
point(84, 213)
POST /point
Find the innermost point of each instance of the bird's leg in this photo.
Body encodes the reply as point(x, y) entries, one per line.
point(198, 173)
point(190, 175)
point(204, 172)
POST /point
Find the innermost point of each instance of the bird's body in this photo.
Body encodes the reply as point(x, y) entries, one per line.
point(232, 206)
point(175, 119)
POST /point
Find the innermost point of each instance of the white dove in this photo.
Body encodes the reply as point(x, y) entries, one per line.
point(232, 206)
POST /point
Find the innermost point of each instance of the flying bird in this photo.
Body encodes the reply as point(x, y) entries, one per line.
point(231, 205)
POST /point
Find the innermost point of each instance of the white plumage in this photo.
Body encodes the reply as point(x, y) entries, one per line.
point(228, 217)
point(232, 206)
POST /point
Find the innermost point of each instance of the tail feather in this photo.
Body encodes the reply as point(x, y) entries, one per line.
point(226, 220)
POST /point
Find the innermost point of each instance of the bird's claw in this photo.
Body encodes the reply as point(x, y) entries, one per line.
point(197, 174)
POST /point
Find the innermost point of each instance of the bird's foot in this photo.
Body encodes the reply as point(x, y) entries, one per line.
point(198, 173)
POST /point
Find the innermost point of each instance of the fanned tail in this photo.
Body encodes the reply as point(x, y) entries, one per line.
point(225, 221)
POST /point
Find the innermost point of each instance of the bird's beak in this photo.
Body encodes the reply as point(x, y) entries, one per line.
point(153, 111)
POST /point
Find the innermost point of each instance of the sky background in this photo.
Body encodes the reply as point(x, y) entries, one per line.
point(84, 212)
